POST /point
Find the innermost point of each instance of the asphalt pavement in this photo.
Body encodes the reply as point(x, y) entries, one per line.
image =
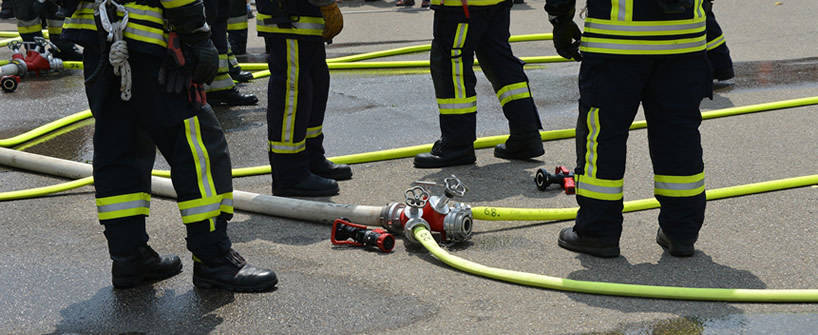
point(55, 271)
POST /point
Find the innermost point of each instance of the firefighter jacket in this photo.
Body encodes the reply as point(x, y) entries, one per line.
point(146, 30)
point(638, 27)
point(296, 19)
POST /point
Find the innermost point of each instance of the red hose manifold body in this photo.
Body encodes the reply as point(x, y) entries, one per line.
point(452, 220)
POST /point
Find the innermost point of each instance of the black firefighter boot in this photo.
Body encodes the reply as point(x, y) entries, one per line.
point(231, 97)
point(675, 248)
point(443, 155)
point(134, 262)
point(312, 185)
point(217, 265)
point(241, 76)
point(143, 265)
point(236, 73)
point(328, 169)
point(520, 146)
point(605, 248)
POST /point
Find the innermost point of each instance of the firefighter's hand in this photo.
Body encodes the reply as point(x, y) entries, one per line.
point(567, 38)
point(204, 59)
point(174, 74)
point(333, 21)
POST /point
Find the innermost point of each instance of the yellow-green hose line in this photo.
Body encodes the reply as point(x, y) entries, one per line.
point(44, 129)
point(54, 134)
point(43, 191)
point(425, 47)
point(551, 214)
point(7, 41)
point(490, 141)
point(16, 34)
point(614, 289)
point(409, 64)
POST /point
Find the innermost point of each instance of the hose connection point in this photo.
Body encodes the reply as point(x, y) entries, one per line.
point(390, 217)
point(458, 223)
point(408, 233)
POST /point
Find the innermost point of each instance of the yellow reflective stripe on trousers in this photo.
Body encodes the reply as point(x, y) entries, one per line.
point(457, 60)
point(591, 144)
point(205, 208)
point(54, 29)
point(125, 205)
point(237, 22)
point(201, 158)
point(644, 28)
point(643, 47)
point(716, 42)
point(83, 19)
point(513, 92)
point(678, 186)
point(287, 147)
point(222, 81)
point(622, 10)
point(600, 189)
point(290, 93)
point(30, 26)
point(314, 132)
point(457, 105)
point(306, 25)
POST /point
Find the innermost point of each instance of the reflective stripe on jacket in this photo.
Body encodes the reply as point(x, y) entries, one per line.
point(633, 27)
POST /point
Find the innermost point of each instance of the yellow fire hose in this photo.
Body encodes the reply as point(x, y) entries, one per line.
point(615, 289)
point(480, 143)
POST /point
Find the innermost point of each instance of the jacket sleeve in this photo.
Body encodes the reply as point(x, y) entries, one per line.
point(560, 8)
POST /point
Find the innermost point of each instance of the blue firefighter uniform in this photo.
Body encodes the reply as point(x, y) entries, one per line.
point(648, 52)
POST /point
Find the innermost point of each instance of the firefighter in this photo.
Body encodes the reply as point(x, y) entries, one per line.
point(223, 90)
point(237, 27)
point(717, 51)
point(460, 32)
point(632, 52)
point(144, 90)
point(30, 16)
point(237, 40)
point(294, 33)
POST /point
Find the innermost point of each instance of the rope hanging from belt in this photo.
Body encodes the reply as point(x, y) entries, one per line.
point(118, 57)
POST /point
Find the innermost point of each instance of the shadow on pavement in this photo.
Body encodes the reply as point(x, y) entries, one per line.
point(145, 310)
point(699, 271)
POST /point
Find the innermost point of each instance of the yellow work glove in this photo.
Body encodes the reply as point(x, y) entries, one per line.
point(333, 21)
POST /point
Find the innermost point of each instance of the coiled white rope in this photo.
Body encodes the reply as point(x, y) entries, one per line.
point(118, 57)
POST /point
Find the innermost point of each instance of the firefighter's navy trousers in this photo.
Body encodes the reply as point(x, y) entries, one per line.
point(126, 136)
point(456, 41)
point(297, 99)
point(670, 89)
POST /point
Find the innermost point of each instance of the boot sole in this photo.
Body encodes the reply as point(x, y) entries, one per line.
point(339, 176)
point(212, 284)
point(518, 156)
point(129, 282)
point(454, 162)
point(598, 252)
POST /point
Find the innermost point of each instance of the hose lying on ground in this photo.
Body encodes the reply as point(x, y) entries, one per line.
point(615, 289)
